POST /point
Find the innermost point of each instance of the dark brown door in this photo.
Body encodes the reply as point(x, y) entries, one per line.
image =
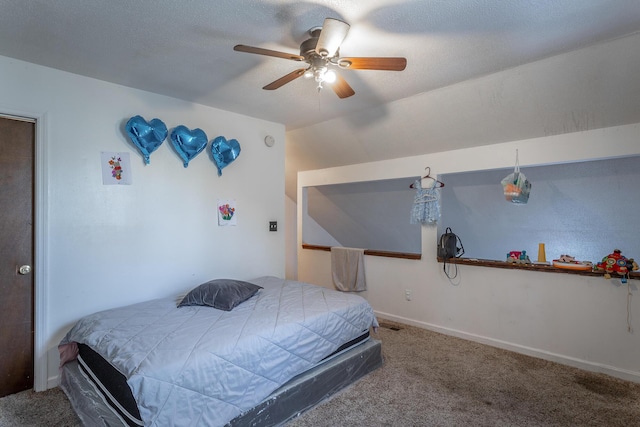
point(17, 146)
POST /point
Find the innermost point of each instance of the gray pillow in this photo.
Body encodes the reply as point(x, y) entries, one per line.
point(223, 294)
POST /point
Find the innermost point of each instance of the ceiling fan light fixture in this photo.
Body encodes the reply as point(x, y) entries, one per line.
point(331, 37)
point(344, 63)
point(330, 76)
point(318, 74)
point(308, 73)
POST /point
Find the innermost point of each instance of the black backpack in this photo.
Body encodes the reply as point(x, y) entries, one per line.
point(449, 246)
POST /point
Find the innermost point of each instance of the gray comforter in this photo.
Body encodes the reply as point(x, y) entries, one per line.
point(202, 366)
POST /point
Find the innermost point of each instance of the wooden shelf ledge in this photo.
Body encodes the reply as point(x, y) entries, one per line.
point(371, 252)
point(531, 267)
point(481, 262)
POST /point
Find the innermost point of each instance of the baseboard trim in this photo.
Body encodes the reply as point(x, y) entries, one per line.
point(53, 382)
point(529, 351)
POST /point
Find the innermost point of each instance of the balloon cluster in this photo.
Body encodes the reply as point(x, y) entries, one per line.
point(148, 136)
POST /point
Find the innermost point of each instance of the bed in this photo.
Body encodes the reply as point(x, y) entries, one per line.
point(262, 362)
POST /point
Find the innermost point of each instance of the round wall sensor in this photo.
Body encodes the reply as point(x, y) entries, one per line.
point(269, 140)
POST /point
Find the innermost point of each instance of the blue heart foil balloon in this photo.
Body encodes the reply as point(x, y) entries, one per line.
point(188, 143)
point(147, 136)
point(224, 152)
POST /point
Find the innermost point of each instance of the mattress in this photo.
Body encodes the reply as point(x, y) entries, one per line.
point(114, 391)
point(289, 401)
point(110, 385)
point(202, 366)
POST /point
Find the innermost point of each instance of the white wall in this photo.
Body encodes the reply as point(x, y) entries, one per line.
point(107, 246)
point(312, 232)
point(291, 238)
point(577, 320)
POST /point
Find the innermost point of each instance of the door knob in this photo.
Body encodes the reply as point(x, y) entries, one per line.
point(24, 269)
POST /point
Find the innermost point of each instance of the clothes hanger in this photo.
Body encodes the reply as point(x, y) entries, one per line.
point(437, 182)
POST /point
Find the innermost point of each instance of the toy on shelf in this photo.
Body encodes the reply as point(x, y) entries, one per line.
point(616, 263)
point(568, 262)
point(518, 257)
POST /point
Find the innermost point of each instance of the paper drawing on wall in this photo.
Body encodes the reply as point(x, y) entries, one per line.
point(188, 143)
point(227, 212)
point(147, 136)
point(116, 168)
point(224, 152)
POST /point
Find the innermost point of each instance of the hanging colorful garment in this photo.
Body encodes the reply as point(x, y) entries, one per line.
point(426, 205)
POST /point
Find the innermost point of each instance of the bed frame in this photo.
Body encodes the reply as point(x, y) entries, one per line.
point(289, 401)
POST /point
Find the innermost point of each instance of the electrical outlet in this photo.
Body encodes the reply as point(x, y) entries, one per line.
point(273, 225)
point(407, 294)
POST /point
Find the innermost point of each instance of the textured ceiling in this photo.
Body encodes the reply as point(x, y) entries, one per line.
point(478, 72)
point(184, 49)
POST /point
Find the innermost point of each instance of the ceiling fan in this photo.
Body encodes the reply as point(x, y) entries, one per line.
point(321, 52)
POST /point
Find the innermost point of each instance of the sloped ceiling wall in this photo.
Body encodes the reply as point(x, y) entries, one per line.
point(587, 89)
point(369, 215)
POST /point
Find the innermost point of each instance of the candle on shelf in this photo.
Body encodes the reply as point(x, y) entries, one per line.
point(542, 257)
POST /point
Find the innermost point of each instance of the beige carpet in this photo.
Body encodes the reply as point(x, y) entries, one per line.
point(429, 379)
point(28, 409)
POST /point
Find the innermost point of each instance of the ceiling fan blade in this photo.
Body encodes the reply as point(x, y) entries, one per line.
point(267, 52)
point(285, 79)
point(387, 64)
point(331, 37)
point(342, 88)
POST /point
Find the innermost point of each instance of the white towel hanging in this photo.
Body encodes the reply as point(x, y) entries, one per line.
point(347, 269)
